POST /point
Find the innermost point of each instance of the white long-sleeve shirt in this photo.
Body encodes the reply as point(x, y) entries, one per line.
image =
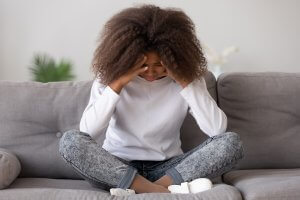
point(143, 121)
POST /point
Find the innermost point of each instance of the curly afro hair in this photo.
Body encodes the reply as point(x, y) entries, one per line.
point(136, 30)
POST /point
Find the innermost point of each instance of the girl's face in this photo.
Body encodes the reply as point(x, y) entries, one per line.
point(155, 69)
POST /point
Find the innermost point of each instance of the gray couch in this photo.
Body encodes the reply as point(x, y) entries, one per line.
point(263, 108)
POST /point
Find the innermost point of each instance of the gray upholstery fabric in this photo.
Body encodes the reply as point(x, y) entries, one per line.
point(53, 183)
point(264, 109)
point(266, 184)
point(36, 114)
point(10, 168)
point(37, 189)
point(33, 116)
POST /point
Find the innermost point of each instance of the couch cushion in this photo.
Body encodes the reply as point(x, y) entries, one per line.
point(54, 189)
point(53, 183)
point(10, 167)
point(34, 116)
point(266, 183)
point(264, 109)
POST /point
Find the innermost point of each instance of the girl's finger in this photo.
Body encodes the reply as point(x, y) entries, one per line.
point(138, 65)
point(163, 64)
point(140, 62)
point(140, 70)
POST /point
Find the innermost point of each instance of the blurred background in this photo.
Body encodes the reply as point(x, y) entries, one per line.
point(240, 36)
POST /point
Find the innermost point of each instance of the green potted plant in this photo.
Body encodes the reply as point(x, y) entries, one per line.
point(45, 69)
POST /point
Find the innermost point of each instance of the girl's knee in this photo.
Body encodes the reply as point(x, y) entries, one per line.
point(69, 140)
point(234, 144)
point(229, 134)
point(230, 137)
point(73, 136)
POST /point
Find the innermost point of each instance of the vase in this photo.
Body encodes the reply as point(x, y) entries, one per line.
point(216, 70)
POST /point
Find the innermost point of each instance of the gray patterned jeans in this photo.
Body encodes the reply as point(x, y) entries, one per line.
point(212, 158)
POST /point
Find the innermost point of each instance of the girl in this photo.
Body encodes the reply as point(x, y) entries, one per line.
point(149, 69)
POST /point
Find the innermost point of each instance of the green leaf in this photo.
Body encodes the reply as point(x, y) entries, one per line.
point(44, 69)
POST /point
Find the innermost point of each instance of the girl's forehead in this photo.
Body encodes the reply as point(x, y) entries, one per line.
point(152, 55)
point(152, 59)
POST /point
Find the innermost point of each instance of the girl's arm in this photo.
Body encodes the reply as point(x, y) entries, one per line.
point(97, 114)
point(103, 101)
point(209, 117)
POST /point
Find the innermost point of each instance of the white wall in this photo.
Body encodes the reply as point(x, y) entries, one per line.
point(265, 31)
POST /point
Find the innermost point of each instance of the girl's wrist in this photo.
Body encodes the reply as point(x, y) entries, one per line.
point(116, 86)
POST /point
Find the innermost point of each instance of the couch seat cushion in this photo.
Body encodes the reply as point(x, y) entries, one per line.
point(266, 183)
point(43, 188)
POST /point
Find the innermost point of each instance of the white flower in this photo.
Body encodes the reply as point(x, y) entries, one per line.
point(215, 58)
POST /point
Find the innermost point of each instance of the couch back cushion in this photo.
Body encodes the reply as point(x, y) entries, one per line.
point(264, 108)
point(34, 115)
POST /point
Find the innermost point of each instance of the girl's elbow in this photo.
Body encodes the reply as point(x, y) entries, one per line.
point(83, 126)
point(222, 126)
point(224, 123)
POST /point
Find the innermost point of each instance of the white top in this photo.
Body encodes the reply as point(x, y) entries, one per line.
point(143, 121)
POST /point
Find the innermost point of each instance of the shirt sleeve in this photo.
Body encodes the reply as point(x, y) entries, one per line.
point(209, 117)
point(98, 112)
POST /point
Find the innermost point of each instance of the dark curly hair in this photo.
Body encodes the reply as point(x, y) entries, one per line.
point(135, 30)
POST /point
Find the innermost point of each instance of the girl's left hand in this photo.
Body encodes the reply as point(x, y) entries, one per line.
point(179, 80)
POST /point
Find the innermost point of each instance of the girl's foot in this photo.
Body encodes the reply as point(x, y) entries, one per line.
point(142, 185)
point(161, 189)
point(164, 181)
point(195, 186)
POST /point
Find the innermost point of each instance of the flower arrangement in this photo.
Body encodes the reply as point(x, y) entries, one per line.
point(216, 60)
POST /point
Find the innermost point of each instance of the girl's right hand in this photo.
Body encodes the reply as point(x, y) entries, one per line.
point(134, 71)
point(137, 69)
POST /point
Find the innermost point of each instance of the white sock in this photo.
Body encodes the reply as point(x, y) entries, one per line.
point(195, 186)
point(121, 192)
point(200, 185)
point(183, 188)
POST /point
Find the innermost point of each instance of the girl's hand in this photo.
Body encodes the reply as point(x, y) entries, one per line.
point(179, 80)
point(137, 69)
point(134, 71)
